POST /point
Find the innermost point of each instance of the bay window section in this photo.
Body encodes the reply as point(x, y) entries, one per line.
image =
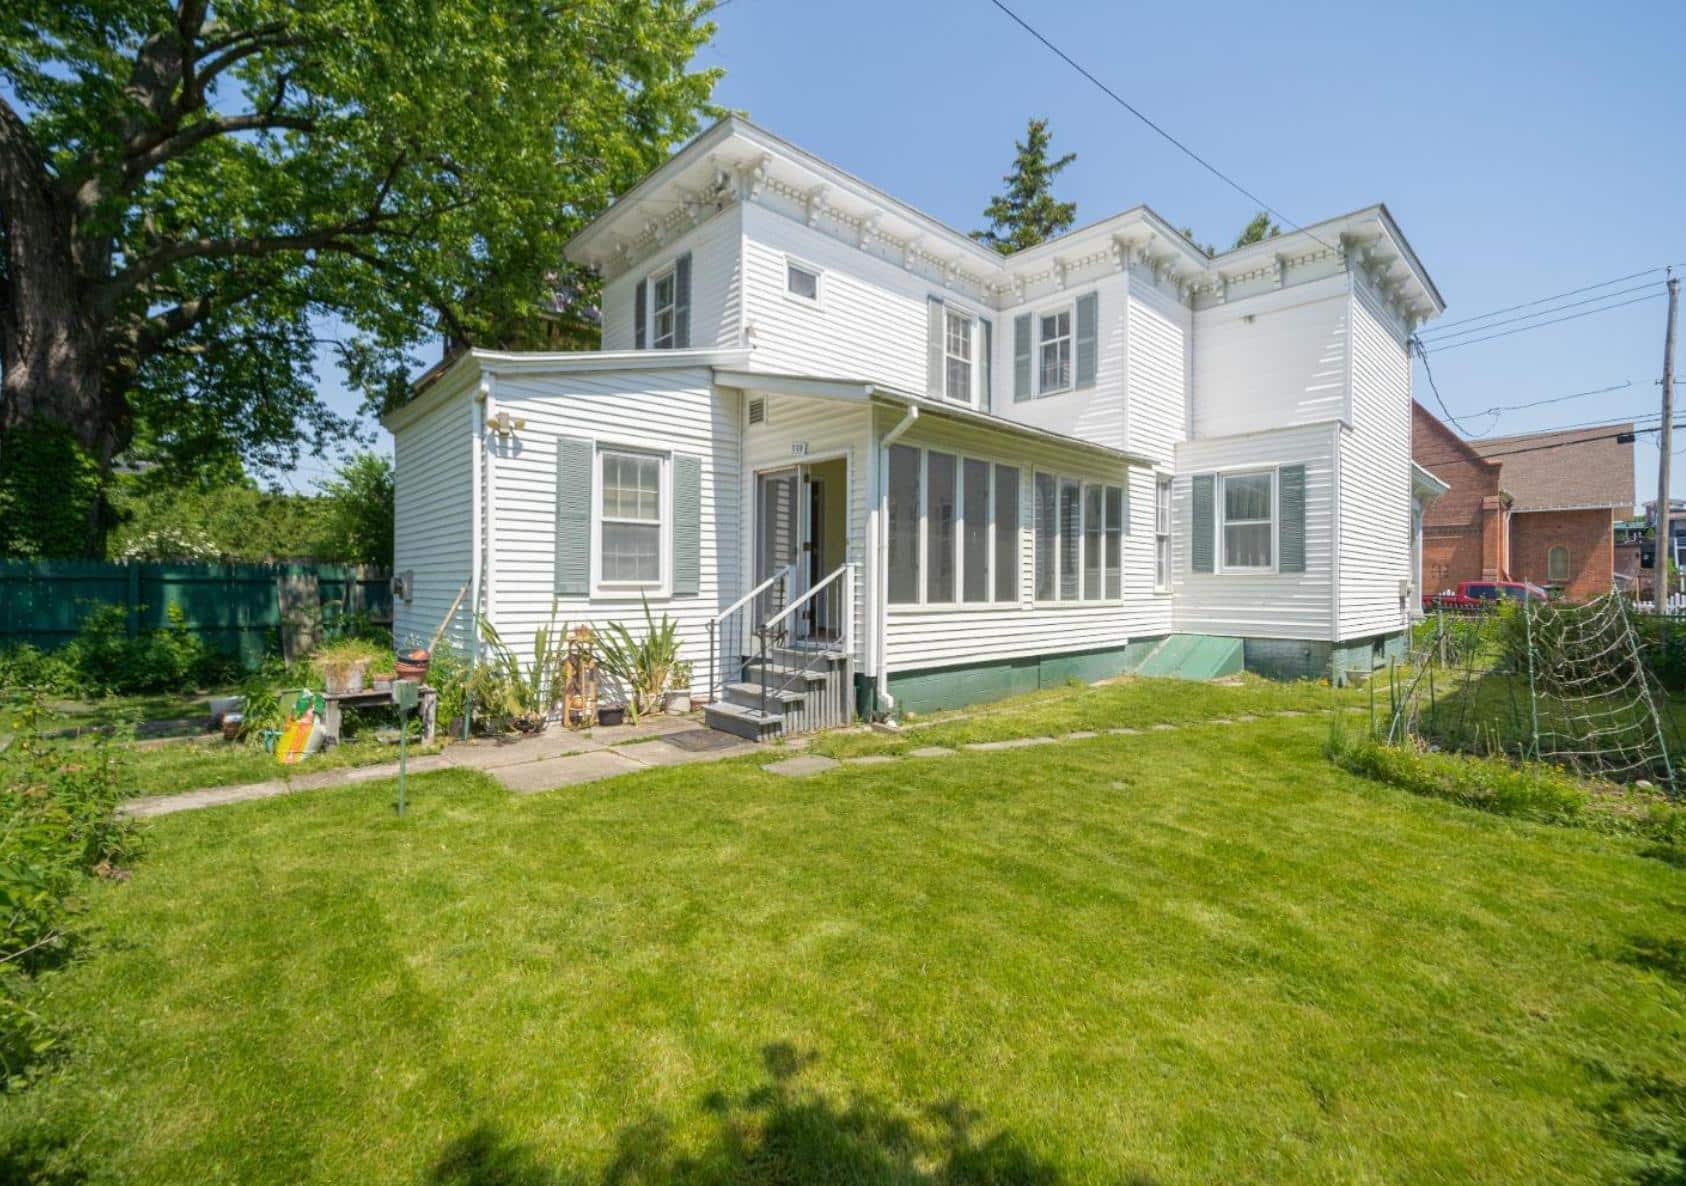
point(903, 560)
point(940, 527)
point(1047, 535)
point(1006, 533)
point(1113, 565)
point(974, 533)
point(1248, 525)
point(1071, 527)
point(631, 519)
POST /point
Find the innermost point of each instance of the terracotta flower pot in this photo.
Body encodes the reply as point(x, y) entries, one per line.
point(412, 665)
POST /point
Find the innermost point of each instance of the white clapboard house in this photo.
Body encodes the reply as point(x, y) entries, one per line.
point(869, 464)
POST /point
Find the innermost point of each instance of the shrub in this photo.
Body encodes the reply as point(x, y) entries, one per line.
point(105, 658)
point(55, 673)
point(644, 665)
point(59, 803)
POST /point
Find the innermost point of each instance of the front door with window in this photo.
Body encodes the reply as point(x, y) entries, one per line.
point(799, 525)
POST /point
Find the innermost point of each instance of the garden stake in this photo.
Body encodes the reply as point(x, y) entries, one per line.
point(404, 694)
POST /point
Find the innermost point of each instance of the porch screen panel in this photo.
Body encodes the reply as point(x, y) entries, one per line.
point(941, 529)
point(974, 551)
point(1047, 535)
point(1071, 528)
point(1094, 524)
point(904, 524)
point(1115, 520)
point(1006, 533)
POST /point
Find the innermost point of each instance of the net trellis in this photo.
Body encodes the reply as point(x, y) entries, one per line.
point(1554, 682)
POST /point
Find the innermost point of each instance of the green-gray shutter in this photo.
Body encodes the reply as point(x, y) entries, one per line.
point(986, 371)
point(1200, 545)
point(1088, 329)
point(640, 311)
point(1290, 501)
point(573, 516)
point(687, 524)
point(1021, 357)
point(934, 347)
point(682, 302)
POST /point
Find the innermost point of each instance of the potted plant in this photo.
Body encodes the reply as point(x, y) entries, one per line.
point(679, 690)
point(611, 714)
point(642, 666)
point(382, 670)
point(344, 664)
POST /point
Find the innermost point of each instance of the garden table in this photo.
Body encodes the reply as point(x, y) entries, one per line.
point(427, 701)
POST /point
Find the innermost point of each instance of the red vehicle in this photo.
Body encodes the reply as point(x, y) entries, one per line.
point(1473, 595)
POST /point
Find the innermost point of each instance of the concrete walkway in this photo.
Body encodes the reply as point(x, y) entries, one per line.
point(555, 758)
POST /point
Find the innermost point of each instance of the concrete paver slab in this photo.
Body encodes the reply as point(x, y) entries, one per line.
point(931, 751)
point(802, 765)
point(1010, 743)
point(661, 751)
point(567, 770)
point(870, 760)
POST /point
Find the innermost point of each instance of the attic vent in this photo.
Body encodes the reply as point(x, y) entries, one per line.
point(758, 410)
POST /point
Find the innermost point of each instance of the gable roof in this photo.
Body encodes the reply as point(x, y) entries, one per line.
point(1566, 470)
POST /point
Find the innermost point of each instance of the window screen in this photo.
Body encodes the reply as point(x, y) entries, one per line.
point(940, 527)
point(1047, 535)
point(974, 494)
point(1006, 533)
point(904, 524)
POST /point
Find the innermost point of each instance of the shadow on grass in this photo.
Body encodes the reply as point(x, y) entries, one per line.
point(777, 1133)
point(1646, 1119)
point(1665, 956)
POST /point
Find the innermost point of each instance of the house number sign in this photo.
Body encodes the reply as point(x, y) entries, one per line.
point(799, 448)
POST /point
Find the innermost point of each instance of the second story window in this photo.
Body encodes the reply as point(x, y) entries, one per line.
point(802, 283)
point(957, 357)
point(663, 306)
point(1054, 351)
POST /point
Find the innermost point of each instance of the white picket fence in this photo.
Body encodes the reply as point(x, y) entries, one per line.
point(1675, 607)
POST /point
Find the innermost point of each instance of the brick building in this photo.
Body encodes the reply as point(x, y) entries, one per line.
point(1539, 506)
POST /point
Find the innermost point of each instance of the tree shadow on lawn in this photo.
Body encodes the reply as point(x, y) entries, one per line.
point(1665, 956)
point(778, 1133)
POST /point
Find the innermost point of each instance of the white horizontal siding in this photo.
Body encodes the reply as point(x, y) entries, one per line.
point(922, 637)
point(433, 532)
point(716, 286)
point(1376, 475)
point(1259, 605)
point(676, 411)
point(1094, 414)
point(1272, 361)
point(1158, 371)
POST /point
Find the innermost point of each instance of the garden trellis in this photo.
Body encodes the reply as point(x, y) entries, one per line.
point(1553, 682)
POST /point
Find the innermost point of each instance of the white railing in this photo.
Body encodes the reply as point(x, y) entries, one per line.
point(730, 631)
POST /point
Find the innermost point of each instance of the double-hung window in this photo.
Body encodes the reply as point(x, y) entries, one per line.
point(1249, 527)
point(1162, 533)
point(802, 283)
point(957, 355)
point(664, 308)
point(631, 518)
point(1054, 351)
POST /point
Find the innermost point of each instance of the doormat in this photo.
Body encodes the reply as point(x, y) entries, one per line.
point(696, 741)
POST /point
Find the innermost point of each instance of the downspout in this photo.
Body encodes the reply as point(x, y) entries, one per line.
point(885, 703)
point(489, 571)
point(477, 439)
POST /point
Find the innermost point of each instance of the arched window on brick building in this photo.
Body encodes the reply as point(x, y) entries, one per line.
point(1557, 563)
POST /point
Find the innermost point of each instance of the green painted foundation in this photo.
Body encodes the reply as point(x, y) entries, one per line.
point(975, 683)
point(1337, 662)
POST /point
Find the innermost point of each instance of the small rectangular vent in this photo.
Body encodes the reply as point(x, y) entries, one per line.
point(758, 411)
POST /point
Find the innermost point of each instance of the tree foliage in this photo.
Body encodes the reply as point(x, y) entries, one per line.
point(1028, 214)
point(187, 189)
point(1258, 229)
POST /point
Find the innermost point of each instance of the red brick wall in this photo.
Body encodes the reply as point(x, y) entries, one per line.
point(1590, 537)
point(1455, 524)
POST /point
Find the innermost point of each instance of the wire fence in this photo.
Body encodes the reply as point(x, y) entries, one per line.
point(1574, 685)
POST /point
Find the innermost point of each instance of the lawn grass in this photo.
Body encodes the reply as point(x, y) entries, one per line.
point(1190, 957)
point(213, 762)
point(107, 711)
point(1127, 701)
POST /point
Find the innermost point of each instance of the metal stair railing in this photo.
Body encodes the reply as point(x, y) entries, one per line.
point(729, 631)
point(824, 614)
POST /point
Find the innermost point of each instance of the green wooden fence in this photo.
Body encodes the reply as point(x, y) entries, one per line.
point(235, 608)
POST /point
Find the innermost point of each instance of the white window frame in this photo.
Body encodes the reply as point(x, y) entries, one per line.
point(1162, 555)
point(801, 265)
point(670, 272)
point(1568, 570)
point(1220, 520)
point(1084, 485)
point(631, 590)
point(924, 604)
point(1069, 308)
point(969, 360)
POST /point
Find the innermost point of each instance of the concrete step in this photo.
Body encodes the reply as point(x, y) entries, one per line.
point(749, 695)
point(780, 675)
point(743, 722)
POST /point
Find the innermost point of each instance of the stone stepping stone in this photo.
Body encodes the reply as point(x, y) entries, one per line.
point(802, 766)
point(870, 760)
point(1080, 735)
point(1162, 727)
point(1009, 743)
point(1124, 731)
point(526, 778)
point(931, 751)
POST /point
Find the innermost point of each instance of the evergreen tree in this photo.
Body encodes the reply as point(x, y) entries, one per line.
point(1027, 213)
point(1258, 230)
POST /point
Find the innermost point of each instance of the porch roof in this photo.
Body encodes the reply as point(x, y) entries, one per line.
point(869, 391)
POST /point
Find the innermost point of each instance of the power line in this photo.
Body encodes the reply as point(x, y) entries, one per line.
point(1435, 387)
point(1555, 321)
point(1183, 148)
point(1547, 300)
point(1615, 435)
point(1435, 336)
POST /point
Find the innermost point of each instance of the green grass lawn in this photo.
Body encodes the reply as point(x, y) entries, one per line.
point(213, 762)
point(1185, 957)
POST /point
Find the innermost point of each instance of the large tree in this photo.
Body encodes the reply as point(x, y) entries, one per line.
point(1028, 214)
point(187, 190)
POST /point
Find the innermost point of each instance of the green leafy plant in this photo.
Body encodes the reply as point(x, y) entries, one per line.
point(642, 665)
point(58, 829)
point(509, 693)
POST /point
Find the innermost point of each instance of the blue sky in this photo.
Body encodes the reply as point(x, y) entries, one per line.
point(1525, 149)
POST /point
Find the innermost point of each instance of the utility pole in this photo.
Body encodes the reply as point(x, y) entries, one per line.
point(1665, 535)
